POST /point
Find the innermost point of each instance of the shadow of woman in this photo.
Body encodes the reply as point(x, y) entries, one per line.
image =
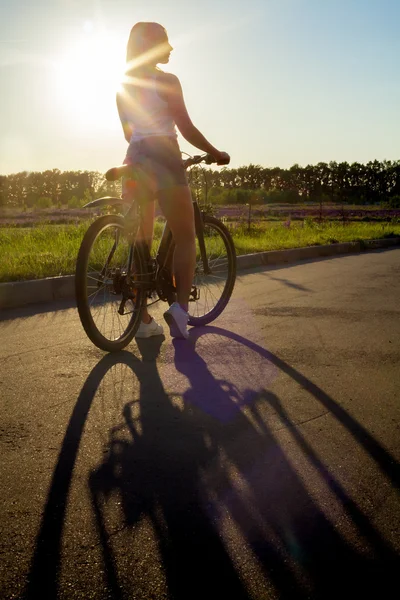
point(156, 475)
point(386, 462)
point(279, 519)
point(184, 466)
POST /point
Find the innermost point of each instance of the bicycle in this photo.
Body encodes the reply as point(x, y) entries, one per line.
point(116, 274)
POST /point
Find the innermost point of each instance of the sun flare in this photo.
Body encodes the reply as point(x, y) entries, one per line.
point(89, 74)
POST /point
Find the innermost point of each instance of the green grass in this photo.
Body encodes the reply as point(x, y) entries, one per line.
point(50, 250)
point(276, 236)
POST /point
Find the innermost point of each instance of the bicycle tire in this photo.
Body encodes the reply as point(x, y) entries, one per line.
point(81, 288)
point(215, 225)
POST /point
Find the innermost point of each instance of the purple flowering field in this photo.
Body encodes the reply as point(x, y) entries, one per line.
point(232, 213)
point(30, 218)
point(301, 213)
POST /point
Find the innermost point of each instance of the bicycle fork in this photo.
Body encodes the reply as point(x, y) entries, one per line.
point(198, 220)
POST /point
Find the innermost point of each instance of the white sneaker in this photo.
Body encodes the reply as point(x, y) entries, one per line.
point(177, 319)
point(147, 330)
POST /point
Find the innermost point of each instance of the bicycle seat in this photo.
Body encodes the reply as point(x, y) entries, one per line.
point(118, 172)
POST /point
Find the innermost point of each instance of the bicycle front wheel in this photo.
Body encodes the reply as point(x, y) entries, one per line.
point(107, 268)
point(213, 284)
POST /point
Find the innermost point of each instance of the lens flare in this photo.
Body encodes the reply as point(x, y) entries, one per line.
point(88, 76)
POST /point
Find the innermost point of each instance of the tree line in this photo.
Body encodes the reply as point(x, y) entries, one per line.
point(54, 188)
point(356, 183)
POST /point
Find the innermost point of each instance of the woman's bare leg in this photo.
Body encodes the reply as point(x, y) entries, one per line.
point(146, 235)
point(176, 204)
point(141, 193)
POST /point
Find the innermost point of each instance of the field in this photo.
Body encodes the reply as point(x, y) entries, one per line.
point(38, 245)
point(300, 212)
point(234, 213)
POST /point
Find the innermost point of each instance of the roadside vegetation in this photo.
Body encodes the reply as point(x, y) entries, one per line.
point(42, 219)
point(48, 250)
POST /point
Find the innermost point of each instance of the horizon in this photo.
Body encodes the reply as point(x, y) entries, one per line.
point(228, 167)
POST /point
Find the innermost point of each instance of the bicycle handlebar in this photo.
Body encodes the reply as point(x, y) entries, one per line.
point(206, 158)
point(128, 170)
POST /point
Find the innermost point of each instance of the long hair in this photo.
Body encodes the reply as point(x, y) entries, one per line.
point(142, 39)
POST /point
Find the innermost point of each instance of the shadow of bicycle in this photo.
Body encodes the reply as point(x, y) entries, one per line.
point(194, 497)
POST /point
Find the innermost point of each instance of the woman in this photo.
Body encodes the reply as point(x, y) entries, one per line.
point(150, 104)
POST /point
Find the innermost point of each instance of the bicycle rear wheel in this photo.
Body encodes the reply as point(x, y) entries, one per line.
point(107, 268)
point(212, 288)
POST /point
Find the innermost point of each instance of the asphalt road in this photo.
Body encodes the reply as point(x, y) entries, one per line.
point(258, 460)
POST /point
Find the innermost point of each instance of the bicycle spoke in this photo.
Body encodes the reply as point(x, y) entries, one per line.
point(94, 294)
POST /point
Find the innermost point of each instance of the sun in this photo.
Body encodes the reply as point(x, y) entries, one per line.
point(88, 75)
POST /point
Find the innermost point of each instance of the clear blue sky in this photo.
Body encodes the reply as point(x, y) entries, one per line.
point(273, 82)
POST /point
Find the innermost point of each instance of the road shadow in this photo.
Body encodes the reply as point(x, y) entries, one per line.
point(214, 482)
point(30, 310)
point(46, 561)
point(287, 282)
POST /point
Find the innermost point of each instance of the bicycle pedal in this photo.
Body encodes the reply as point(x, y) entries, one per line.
point(194, 295)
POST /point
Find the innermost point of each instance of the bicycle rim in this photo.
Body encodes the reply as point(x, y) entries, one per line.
point(103, 290)
point(213, 288)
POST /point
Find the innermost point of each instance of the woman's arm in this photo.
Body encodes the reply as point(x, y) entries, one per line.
point(172, 91)
point(125, 124)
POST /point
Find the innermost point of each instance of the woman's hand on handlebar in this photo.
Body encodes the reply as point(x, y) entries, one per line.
point(222, 158)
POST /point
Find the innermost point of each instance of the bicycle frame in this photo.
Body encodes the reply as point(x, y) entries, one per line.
point(164, 256)
point(165, 250)
point(128, 275)
point(132, 214)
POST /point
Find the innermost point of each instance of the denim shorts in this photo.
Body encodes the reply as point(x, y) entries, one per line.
point(159, 165)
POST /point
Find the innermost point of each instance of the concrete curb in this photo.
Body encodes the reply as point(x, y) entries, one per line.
point(36, 291)
point(22, 293)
